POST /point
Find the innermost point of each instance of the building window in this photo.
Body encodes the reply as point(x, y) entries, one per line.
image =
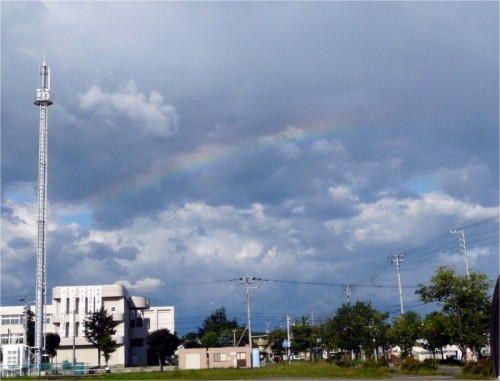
point(12, 319)
point(11, 358)
point(11, 338)
point(241, 355)
point(220, 357)
point(136, 343)
point(113, 308)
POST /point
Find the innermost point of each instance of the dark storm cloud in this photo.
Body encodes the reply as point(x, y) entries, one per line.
point(297, 140)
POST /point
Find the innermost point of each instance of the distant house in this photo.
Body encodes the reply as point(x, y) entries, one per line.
point(225, 357)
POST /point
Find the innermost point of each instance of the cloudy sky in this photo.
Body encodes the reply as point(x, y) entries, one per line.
point(302, 143)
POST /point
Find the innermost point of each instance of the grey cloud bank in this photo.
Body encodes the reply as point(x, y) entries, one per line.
point(195, 143)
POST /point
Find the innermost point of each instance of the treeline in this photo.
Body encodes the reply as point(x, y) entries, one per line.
point(463, 320)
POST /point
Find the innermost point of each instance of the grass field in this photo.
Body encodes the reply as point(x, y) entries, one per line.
point(283, 370)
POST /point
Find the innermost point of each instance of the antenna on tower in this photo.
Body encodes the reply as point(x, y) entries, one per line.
point(43, 99)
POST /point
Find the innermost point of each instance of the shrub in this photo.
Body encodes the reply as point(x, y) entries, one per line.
point(483, 368)
point(411, 365)
point(372, 364)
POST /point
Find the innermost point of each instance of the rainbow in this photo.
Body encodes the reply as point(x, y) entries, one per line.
point(204, 159)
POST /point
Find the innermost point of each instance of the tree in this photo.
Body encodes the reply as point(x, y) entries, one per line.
point(97, 327)
point(435, 332)
point(356, 327)
point(302, 335)
point(52, 341)
point(108, 346)
point(217, 322)
point(30, 323)
point(465, 302)
point(191, 340)
point(163, 344)
point(275, 340)
point(405, 331)
point(210, 340)
point(219, 327)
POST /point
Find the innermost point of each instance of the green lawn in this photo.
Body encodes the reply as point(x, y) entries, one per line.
point(298, 370)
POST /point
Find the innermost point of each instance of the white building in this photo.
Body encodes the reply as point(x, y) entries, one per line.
point(71, 306)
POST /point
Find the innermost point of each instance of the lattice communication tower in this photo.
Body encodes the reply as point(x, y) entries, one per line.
point(43, 99)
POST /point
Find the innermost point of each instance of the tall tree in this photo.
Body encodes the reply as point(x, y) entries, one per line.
point(355, 327)
point(52, 341)
point(108, 346)
point(163, 344)
point(219, 327)
point(275, 340)
point(30, 323)
point(302, 335)
point(435, 332)
point(97, 327)
point(217, 322)
point(466, 302)
point(405, 331)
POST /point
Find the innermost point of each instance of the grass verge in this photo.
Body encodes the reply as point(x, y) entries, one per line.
point(294, 370)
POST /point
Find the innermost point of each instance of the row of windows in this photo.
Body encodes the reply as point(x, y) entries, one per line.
point(19, 319)
point(222, 357)
point(11, 338)
point(12, 319)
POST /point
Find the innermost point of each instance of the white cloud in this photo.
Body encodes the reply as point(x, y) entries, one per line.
point(143, 285)
point(390, 220)
point(285, 141)
point(342, 193)
point(154, 116)
point(290, 133)
point(324, 146)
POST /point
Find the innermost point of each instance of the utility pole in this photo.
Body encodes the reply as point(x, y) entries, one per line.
point(463, 248)
point(248, 282)
point(288, 336)
point(347, 292)
point(398, 258)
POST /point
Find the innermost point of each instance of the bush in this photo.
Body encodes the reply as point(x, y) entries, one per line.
point(483, 368)
point(411, 365)
point(345, 363)
point(372, 364)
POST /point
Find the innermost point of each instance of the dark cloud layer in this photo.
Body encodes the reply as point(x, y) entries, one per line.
point(195, 142)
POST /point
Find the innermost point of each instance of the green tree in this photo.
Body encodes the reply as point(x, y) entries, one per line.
point(30, 320)
point(302, 335)
point(52, 341)
point(108, 346)
point(210, 340)
point(275, 340)
point(163, 344)
point(191, 340)
point(405, 331)
point(435, 332)
point(465, 302)
point(219, 327)
point(217, 322)
point(355, 327)
point(97, 327)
